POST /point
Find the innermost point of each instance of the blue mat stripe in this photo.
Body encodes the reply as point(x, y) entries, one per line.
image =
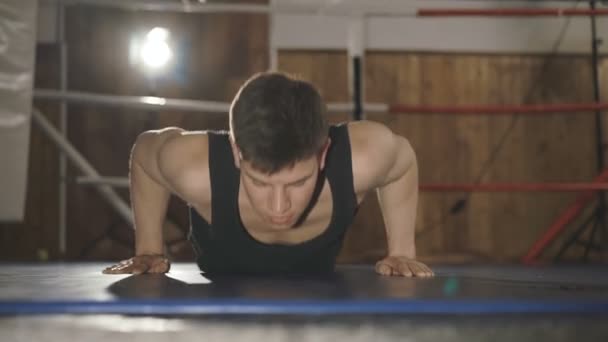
point(240, 306)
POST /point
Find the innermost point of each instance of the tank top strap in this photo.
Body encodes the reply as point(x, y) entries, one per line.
point(339, 172)
point(224, 178)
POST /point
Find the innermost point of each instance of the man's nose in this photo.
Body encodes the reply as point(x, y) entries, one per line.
point(280, 201)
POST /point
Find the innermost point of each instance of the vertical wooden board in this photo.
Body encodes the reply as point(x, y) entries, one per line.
point(405, 89)
point(536, 154)
point(441, 80)
point(470, 146)
point(326, 70)
point(501, 84)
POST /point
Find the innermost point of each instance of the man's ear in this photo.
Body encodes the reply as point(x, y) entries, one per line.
point(323, 154)
point(236, 154)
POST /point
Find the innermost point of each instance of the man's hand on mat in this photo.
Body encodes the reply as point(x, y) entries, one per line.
point(140, 264)
point(402, 266)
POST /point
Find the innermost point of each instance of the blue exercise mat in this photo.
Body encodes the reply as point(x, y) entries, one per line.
point(82, 288)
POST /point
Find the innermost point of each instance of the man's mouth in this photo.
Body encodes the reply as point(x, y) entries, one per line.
point(280, 219)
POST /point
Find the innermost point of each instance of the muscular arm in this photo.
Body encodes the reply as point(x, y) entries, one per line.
point(149, 190)
point(162, 162)
point(398, 198)
point(386, 163)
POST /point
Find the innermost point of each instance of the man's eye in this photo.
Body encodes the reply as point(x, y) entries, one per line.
point(299, 183)
point(256, 183)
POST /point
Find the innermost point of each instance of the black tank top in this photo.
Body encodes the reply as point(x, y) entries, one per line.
point(226, 247)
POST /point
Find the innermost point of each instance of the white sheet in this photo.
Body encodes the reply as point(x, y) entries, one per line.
point(17, 48)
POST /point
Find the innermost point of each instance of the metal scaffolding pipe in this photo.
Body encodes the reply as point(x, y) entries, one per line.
point(192, 7)
point(117, 182)
point(138, 102)
point(162, 103)
point(115, 201)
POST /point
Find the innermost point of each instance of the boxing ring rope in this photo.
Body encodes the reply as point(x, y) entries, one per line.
point(431, 187)
point(514, 187)
point(500, 109)
point(509, 12)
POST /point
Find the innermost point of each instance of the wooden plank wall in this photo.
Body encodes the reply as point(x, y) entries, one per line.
point(553, 148)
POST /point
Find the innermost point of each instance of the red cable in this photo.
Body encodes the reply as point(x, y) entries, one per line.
point(495, 109)
point(515, 187)
point(508, 12)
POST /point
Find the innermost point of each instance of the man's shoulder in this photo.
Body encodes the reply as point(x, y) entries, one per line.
point(366, 137)
point(185, 145)
point(372, 145)
point(184, 160)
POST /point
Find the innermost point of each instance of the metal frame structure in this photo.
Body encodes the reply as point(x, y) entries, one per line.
point(82, 164)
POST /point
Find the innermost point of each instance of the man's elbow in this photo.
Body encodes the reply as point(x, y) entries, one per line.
point(406, 164)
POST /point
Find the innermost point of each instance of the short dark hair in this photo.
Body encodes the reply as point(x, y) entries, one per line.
point(277, 120)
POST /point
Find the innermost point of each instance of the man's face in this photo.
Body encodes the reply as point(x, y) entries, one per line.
point(280, 198)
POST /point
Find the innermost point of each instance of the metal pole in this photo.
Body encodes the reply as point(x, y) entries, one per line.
point(139, 102)
point(115, 182)
point(115, 201)
point(596, 90)
point(63, 128)
point(357, 85)
point(356, 51)
point(162, 103)
point(273, 52)
point(601, 209)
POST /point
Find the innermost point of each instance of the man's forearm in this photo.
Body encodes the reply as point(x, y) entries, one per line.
point(398, 202)
point(149, 200)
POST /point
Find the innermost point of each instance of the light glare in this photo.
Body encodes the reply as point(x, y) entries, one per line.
point(155, 51)
point(158, 34)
